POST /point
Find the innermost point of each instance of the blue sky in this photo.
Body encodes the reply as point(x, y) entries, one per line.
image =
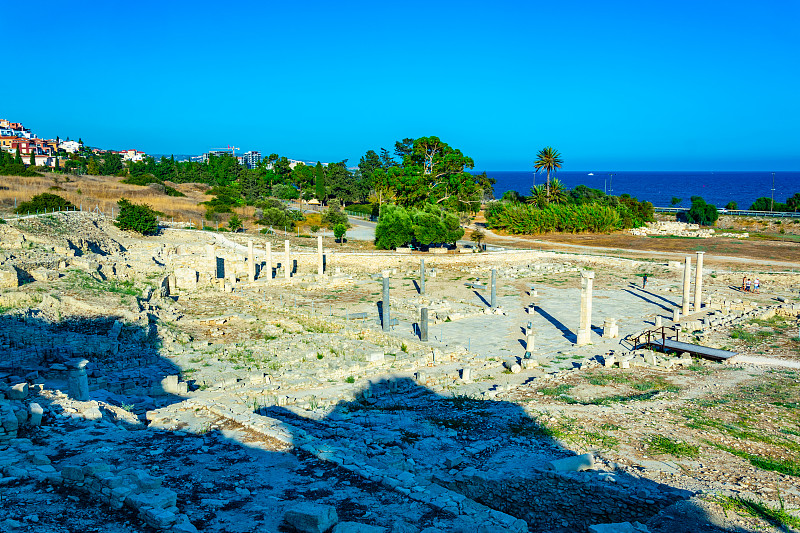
point(616, 85)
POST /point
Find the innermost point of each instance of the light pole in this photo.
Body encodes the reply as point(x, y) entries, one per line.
point(772, 198)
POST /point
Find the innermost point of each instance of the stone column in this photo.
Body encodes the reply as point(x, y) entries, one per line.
point(529, 344)
point(251, 261)
point(422, 276)
point(287, 268)
point(423, 324)
point(658, 321)
point(687, 285)
point(698, 283)
point(211, 252)
point(268, 266)
point(585, 328)
point(385, 307)
point(494, 289)
point(78, 381)
point(320, 257)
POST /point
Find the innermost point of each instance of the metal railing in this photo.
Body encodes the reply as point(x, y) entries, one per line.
point(735, 212)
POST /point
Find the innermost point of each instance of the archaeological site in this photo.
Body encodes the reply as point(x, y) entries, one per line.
point(203, 381)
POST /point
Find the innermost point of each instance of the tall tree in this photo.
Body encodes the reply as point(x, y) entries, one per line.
point(33, 157)
point(320, 182)
point(549, 160)
point(18, 157)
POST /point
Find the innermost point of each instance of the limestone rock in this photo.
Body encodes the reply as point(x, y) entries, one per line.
point(356, 527)
point(310, 517)
point(18, 392)
point(8, 277)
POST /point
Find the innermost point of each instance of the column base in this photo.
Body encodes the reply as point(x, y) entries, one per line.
point(584, 337)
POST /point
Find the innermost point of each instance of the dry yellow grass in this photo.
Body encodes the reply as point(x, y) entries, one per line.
point(103, 192)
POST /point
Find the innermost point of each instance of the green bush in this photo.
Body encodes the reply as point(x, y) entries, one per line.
point(138, 218)
point(702, 213)
point(338, 231)
point(333, 215)
point(44, 202)
point(529, 219)
point(394, 228)
point(398, 226)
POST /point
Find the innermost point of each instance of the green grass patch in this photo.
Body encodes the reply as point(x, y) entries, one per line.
point(782, 466)
point(777, 517)
point(667, 446)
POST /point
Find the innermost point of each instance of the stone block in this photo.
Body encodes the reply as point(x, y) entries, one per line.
point(356, 527)
point(18, 391)
point(8, 277)
point(375, 357)
point(310, 517)
point(161, 498)
point(36, 413)
point(572, 464)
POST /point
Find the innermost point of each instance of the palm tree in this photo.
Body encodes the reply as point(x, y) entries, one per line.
point(548, 159)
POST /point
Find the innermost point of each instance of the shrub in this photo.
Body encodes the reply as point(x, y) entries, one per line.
point(138, 218)
point(235, 223)
point(702, 213)
point(394, 228)
point(44, 202)
point(333, 215)
point(338, 231)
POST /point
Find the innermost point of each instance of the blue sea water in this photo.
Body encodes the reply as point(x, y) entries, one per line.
point(716, 188)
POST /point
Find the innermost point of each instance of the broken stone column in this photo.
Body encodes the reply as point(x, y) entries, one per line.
point(698, 282)
point(423, 324)
point(422, 276)
point(385, 306)
point(251, 261)
point(658, 321)
point(466, 374)
point(687, 284)
point(268, 266)
point(287, 269)
point(610, 328)
point(320, 257)
point(676, 315)
point(211, 252)
point(585, 327)
point(530, 341)
point(494, 289)
point(512, 366)
point(78, 381)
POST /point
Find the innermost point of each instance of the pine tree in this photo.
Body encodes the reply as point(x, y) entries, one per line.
point(320, 182)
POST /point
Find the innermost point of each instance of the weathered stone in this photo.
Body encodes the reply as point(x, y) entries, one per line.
point(18, 391)
point(310, 517)
point(36, 413)
point(356, 527)
point(572, 464)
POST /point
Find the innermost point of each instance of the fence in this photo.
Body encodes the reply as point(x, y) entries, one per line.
point(735, 212)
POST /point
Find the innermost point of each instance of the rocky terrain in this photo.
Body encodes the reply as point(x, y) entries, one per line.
point(199, 381)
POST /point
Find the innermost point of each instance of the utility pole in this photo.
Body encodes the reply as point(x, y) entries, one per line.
point(772, 198)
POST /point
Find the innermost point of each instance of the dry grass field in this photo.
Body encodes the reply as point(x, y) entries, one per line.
point(103, 193)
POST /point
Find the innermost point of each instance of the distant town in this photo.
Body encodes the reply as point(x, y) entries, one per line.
point(14, 137)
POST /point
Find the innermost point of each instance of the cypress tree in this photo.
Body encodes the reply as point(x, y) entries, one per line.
point(58, 165)
point(320, 182)
point(18, 157)
point(33, 157)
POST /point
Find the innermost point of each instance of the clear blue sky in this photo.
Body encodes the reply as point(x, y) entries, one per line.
point(614, 85)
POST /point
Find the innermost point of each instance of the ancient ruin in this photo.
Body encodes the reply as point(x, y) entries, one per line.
point(181, 383)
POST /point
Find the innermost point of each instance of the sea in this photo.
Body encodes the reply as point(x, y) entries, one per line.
point(659, 187)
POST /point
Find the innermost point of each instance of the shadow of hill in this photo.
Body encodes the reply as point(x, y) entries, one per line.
point(489, 451)
point(229, 479)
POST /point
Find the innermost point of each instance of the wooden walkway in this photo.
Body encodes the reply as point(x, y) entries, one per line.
point(669, 345)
